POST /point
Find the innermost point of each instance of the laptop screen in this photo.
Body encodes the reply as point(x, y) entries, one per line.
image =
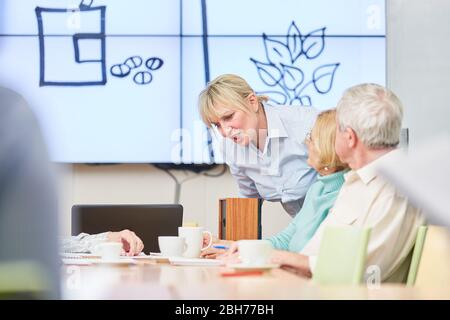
point(147, 221)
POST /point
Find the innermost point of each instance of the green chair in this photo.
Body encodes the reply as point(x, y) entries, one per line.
point(342, 256)
point(433, 271)
point(23, 280)
point(417, 254)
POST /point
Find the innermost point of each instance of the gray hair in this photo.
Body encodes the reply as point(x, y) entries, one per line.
point(374, 112)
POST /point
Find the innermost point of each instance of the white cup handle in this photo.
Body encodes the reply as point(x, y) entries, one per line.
point(210, 240)
point(185, 246)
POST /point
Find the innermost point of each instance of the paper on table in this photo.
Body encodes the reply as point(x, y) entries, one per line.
point(70, 255)
point(153, 258)
point(77, 262)
point(120, 261)
point(143, 256)
point(195, 261)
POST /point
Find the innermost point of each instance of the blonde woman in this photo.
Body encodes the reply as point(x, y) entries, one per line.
point(322, 193)
point(264, 144)
point(320, 196)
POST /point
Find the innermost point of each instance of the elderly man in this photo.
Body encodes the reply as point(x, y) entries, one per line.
point(369, 119)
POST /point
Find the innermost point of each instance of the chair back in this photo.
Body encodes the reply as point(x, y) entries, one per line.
point(342, 256)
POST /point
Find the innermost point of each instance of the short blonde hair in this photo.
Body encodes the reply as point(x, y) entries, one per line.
point(323, 136)
point(374, 112)
point(229, 90)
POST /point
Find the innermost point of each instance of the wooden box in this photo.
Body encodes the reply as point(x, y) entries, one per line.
point(240, 218)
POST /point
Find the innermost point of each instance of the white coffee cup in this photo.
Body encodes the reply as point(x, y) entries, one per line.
point(194, 240)
point(109, 250)
point(170, 246)
point(255, 252)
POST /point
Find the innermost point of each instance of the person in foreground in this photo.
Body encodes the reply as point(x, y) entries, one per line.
point(28, 204)
point(85, 243)
point(320, 196)
point(369, 119)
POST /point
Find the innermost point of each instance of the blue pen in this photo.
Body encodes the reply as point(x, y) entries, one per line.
point(220, 247)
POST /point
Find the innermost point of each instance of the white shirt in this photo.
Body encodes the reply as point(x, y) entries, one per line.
point(366, 200)
point(280, 172)
point(82, 243)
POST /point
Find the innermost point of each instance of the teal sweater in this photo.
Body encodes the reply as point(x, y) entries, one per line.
point(318, 201)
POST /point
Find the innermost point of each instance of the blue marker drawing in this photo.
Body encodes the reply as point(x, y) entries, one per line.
point(133, 62)
point(154, 63)
point(282, 70)
point(120, 70)
point(207, 71)
point(86, 4)
point(86, 66)
point(141, 77)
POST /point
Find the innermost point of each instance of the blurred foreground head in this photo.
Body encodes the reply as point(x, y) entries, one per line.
point(28, 206)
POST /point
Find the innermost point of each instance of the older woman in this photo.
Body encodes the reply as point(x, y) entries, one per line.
point(320, 196)
point(264, 144)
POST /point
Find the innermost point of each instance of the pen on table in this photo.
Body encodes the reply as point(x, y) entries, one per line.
point(216, 246)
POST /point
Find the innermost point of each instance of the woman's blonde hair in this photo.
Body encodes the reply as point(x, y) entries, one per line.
point(323, 135)
point(229, 90)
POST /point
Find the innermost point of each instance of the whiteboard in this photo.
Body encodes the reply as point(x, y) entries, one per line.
point(116, 81)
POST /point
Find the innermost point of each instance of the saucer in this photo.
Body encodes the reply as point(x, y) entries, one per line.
point(194, 261)
point(246, 267)
point(122, 261)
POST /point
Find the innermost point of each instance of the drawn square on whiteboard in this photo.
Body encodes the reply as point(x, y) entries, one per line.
point(76, 58)
point(88, 48)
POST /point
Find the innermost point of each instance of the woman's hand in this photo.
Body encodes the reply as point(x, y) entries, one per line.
point(230, 255)
point(232, 250)
point(212, 253)
point(293, 262)
point(230, 258)
point(206, 240)
point(132, 245)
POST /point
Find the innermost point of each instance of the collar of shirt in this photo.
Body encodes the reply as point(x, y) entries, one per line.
point(275, 127)
point(332, 182)
point(369, 171)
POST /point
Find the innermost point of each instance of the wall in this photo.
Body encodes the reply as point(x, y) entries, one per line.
point(418, 35)
point(139, 183)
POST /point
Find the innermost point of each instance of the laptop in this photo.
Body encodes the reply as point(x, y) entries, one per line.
point(147, 221)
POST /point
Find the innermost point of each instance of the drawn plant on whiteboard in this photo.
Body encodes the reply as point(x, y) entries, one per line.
point(283, 69)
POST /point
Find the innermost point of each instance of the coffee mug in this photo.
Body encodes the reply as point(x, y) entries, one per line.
point(170, 246)
point(255, 252)
point(194, 240)
point(109, 250)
